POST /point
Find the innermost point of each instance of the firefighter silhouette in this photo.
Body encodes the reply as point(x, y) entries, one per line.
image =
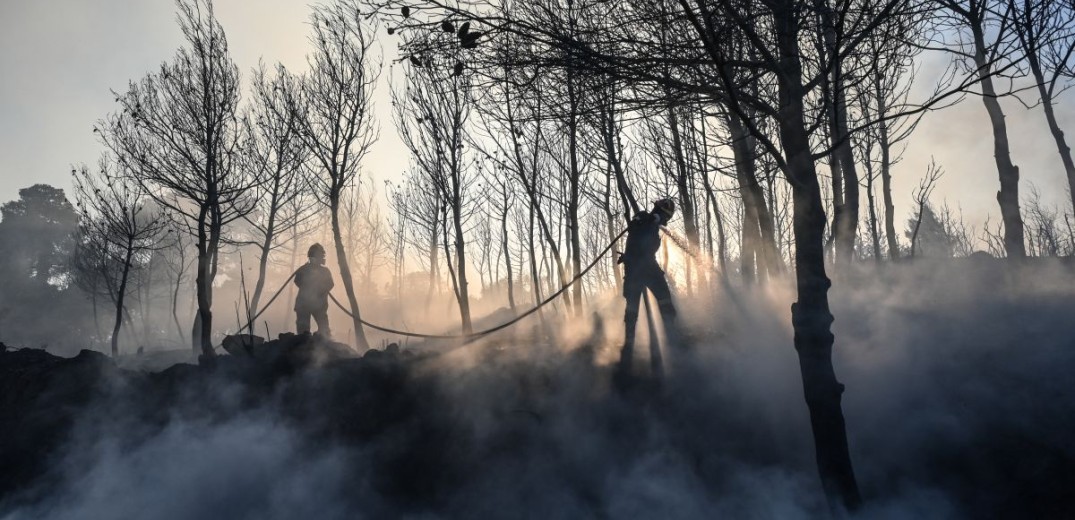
point(314, 281)
point(641, 271)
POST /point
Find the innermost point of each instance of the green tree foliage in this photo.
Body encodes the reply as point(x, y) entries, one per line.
point(38, 304)
point(36, 233)
point(933, 240)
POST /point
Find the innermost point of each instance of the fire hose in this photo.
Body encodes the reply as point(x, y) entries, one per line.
point(513, 321)
point(470, 336)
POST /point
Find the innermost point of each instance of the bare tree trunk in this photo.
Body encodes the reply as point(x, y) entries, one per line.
point(175, 305)
point(875, 236)
point(259, 286)
point(751, 234)
point(433, 256)
point(462, 294)
point(207, 241)
point(849, 216)
point(764, 241)
point(448, 262)
point(608, 134)
point(714, 209)
point(532, 248)
point(573, 197)
point(845, 187)
point(886, 171)
point(1050, 116)
point(686, 200)
point(811, 317)
point(1008, 196)
point(610, 228)
point(834, 163)
point(530, 185)
point(120, 298)
point(400, 265)
point(290, 286)
point(345, 274)
point(722, 237)
point(507, 255)
point(265, 248)
point(146, 301)
point(96, 317)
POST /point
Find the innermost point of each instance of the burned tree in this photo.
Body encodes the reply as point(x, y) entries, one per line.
point(118, 219)
point(985, 48)
point(1045, 30)
point(178, 135)
point(516, 107)
point(887, 74)
point(432, 113)
point(276, 156)
point(336, 121)
point(365, 235)
point(420, 205)
point(923, 210)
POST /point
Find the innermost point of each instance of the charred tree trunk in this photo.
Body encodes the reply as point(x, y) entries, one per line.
point(266, 247)
point(811, 317)
point(761, 234)
point(751, 234)
point(722, 238)
point(96, 316)
point(875, 236)
point(845, 188)
point(175, 305)
point(345, 273)
point(874, 233)
point(535, 278)
point(121, 296)
point(714, 210)
point(573, 197)
point(686, 199)
point(530, 185)
point(506, 246)
point(292, 267)
point(849, 216)
point(259, 286)
point(462, 294)
point(1008, 196)
point(886, 171)
point(1054, 127)
point(433, 251)
point(203, 323)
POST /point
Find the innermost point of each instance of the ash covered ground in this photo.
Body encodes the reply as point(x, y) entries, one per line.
point(959, 404)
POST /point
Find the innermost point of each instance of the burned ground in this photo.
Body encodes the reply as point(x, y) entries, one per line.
point(958, 405)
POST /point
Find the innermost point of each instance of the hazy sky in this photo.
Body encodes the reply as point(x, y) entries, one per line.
point(60, 59)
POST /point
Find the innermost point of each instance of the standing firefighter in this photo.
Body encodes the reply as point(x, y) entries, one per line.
point(315, 282)
point(642, 272)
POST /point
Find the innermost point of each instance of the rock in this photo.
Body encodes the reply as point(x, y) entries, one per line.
point(241, 345)
point(295, 352)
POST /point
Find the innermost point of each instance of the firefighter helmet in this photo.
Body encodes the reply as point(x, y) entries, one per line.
point(316, 250)
point(666, 208)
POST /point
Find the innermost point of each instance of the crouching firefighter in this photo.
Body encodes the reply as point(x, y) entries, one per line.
point(641, 272)
point(314, 281)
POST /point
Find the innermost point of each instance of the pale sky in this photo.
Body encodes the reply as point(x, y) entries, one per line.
point(60, 59)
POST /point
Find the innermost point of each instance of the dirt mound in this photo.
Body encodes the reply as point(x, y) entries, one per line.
point(46, 400)
point(40, 397)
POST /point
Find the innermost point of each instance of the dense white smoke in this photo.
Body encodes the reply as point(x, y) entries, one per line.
point(958, 405)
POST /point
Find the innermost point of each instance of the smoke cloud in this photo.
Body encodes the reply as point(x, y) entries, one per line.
point(958, 405)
